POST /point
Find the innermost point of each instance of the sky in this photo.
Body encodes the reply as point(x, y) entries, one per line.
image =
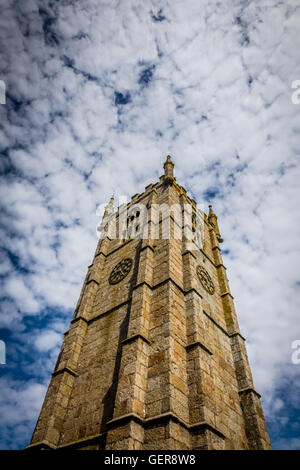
point(97, 94)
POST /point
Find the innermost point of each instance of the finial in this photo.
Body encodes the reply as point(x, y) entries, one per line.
point(111, 201)
point(109, 209)
point(213, 220)
point(169, 167)
point(169, 159)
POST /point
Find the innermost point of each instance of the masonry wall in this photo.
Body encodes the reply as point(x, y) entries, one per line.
point(155, 361)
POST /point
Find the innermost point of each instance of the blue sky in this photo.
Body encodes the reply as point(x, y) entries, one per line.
point(97, 94)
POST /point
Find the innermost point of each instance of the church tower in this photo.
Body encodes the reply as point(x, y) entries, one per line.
point(154, 358)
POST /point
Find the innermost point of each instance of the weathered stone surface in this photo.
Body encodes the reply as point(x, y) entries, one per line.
point(154, 361)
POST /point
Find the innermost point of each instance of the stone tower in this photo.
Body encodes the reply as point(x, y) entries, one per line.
point(154, 358)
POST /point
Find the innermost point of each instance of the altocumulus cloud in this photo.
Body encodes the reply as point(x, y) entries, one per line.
point(97, 93)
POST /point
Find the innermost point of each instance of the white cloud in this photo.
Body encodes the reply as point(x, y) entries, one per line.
point(25, 301)
point(218, 99)
point(48, 340)
point(20, 405)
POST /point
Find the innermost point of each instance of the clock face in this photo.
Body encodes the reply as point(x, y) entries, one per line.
point(205, 280)
point(120, 271)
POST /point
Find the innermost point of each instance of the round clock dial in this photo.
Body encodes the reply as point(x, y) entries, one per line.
point(120, 271)
point(205, 280)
